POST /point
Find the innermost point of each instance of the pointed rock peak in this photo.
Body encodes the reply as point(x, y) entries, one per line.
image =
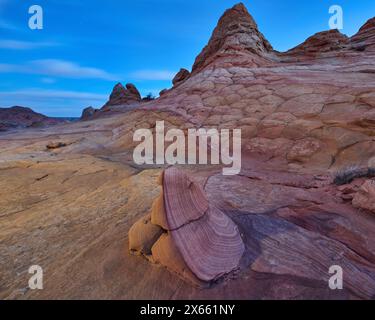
point(240, 7)
point(133, 90)
point(240, 11)
point(118, 86)
point(122, 95)
point(236, 32)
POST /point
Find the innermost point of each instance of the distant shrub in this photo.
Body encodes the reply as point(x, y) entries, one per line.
point(149, 97)
point(348, 174)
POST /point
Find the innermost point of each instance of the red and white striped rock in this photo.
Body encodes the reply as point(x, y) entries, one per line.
point(209, 241)
point(211, 246)
point(200, 243)
point(184, 200)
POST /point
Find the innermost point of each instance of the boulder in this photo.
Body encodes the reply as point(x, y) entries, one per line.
point(88, 113)
point(199, 243)
point(181, 76)
point(365, 197)
point(143, 235)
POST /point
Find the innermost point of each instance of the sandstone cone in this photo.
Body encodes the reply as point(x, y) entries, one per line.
point(200, 243)
point(123, 96)
point(236, 32)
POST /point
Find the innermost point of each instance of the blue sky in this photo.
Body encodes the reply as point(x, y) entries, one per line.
point(86, 47)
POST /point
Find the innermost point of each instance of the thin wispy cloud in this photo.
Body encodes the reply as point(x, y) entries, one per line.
point(9, 68)
point(58, 68)
point(52, 102)
point(153, 75)
point(70, 69)
point(42, 94)
point(25, 45)
point(5, 25)
point(48, 80)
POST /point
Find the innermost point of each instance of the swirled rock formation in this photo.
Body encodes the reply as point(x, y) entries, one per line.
point(200, 243)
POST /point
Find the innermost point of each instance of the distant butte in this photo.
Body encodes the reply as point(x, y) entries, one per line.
point(20, 117)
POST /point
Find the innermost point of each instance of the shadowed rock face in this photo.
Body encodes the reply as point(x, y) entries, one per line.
point(303, 114)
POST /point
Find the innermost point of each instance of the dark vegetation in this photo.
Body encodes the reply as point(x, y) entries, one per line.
point(348, 174)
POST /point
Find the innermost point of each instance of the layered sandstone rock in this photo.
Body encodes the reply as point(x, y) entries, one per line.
point(123, 96)
point(180, 77)
point(365, 197)
point(326, 41)
point(88, 113)
point(299, 106)
point(235, 33)
point(364, 40)
point(199, 242)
